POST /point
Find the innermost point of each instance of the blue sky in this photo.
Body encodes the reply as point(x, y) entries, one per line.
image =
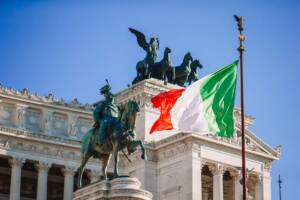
point(70, 47)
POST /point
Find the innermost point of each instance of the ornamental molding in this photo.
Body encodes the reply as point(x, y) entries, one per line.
point(43, 151)
point(43, 166)
point(47, 101)
point(27, 135)
point(195, 141)
point(16, 161)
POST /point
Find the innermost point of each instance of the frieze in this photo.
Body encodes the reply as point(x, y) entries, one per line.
point(46, 151)
point(38, 135)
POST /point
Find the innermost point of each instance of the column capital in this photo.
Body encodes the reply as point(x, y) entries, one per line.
point(69, 170)
point(236, 174)
point(16, 161)
point(258, 178)
point(42, 165)
point(267, 166)
point(203, 163)
point(217, 169)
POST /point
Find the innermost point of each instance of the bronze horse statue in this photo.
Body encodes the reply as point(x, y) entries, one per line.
point(159, 69)
point(193, 76)
point(119, 137)
point(179, 74)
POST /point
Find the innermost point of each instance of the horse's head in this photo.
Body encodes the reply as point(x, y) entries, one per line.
point(129, 114)
point(187, 58)
point(167, 50)
point(196, 63)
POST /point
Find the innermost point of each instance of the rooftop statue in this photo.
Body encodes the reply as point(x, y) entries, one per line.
point(151, 48)
point(193, 76)
point(179, 74)
point(184, 74)
point(159, 69)
point(112, 132)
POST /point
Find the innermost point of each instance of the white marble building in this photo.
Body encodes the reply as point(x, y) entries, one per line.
point(40, 152)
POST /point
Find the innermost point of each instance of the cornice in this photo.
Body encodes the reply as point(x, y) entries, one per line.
point(195, 138)
point(48, 101)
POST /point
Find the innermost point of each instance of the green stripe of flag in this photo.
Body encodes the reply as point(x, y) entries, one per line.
point(218, 95)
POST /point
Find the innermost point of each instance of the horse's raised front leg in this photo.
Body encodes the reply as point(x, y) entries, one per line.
point(85, 158)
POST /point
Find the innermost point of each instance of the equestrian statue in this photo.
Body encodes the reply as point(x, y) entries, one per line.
point(113, 131)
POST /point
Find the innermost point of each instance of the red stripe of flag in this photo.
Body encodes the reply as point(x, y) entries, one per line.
point(165, 102)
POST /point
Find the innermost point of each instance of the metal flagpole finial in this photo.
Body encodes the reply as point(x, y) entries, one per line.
point(240, 24)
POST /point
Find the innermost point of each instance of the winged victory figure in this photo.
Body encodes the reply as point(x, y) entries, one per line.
point(143, 67)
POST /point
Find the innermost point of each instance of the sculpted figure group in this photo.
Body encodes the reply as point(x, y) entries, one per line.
point(183, 74)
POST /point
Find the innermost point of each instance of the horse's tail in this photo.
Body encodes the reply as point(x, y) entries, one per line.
point(86, 141)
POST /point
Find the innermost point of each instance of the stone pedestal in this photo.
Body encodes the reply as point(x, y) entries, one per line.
point(116, 189)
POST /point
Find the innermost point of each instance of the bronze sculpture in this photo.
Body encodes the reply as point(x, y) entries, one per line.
point(179, 74)
point(193, 76)
point(151, 48)
point(119, 134)
point(159, 69)
point(184, 74)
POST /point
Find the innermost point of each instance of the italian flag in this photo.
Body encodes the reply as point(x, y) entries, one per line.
point(205, 106)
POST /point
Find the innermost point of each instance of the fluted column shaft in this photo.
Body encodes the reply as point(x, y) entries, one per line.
point(196, 176)
point(218, 183)
point(15, 182)
point(68, 172)
point(42, 168)
point(238, 187)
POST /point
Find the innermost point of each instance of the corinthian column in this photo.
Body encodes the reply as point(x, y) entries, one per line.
point(68, 172)
point(218, 182)
point(259, 187)
point(15, 182)
point(42, 168)
point(237, 186)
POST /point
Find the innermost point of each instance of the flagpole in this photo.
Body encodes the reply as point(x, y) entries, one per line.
point(279, 184)
point(241, 49)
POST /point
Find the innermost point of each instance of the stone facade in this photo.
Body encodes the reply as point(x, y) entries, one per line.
point(40, 151)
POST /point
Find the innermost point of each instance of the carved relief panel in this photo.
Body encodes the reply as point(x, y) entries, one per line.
point(33, 119)
point(83, 125)
point(6, 114)
point(59, 123)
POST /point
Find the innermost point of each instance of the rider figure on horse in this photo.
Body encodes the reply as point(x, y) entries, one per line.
point(106, 112)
